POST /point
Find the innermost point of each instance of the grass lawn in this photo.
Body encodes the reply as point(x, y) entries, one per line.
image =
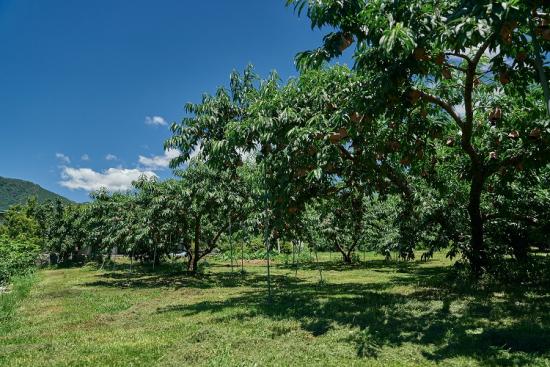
point(375, 313)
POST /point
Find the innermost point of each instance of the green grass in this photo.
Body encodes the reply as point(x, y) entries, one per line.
point(372, 314)
point(9, 301)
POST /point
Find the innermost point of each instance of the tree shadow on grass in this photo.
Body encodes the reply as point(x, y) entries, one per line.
point(151, 280)
point(445, 315)
point(496, 324)
point(377, 265)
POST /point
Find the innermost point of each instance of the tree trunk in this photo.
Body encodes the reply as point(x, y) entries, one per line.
point(477, 255)
point(294, 257)
point(231, 242)
point(195, 254)
point(155, 256)
point(242, 247)
point(318, 265)
point(520, 247)
point(346, 257)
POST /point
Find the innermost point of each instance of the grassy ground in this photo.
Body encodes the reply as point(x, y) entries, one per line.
point(11, 298)
point(375, 314)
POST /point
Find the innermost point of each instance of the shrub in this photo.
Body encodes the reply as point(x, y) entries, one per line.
point(19, 224)
point(17, 256)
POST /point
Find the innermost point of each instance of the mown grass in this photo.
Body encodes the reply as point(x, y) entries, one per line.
point(376, 313)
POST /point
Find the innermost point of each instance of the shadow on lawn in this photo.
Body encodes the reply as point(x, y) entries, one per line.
point(498, 324)
point(377, 265)
point(166, 277)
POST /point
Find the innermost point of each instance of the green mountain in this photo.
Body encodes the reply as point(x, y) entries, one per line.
point(14, 191)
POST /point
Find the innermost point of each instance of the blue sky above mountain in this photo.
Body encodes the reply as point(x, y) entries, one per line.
point(88, 88)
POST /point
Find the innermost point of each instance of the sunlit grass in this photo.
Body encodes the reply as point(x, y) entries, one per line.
point(11, 297)
point(374, 313)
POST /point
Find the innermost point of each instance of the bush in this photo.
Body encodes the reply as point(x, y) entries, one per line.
point(17, 257)
point(18, 223)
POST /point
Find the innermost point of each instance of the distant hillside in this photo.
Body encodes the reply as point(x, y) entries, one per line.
point(13, 191)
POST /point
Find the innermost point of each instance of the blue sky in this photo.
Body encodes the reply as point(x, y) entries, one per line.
point(87, 88)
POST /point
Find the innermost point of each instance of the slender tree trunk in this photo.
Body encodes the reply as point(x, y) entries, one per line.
point(195, 264)
point(318, 265)
point(155, 256)
point(242, 250)
point(294, 257)
point(520, 246)
point(346, 255)
point(477, 254)
point(193, 261)
point(189, 259)
point(231, 243)
point(269, 271)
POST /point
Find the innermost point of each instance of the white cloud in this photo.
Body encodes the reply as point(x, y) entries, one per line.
point(111, 157)
point(112, 179)
point(63, 158)
point(155, 121)
point(159, 162)
point(85, 157)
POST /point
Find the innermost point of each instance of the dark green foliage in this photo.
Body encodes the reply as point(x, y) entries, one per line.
point(334, 130)
point(336, 223)
point(17, 257)
point(61, 229)
point(19, 223)
point(20, 242)
point(14, 191)
point(426, 58)
point(380, 156)
point(214, 199)
point(521, 223)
